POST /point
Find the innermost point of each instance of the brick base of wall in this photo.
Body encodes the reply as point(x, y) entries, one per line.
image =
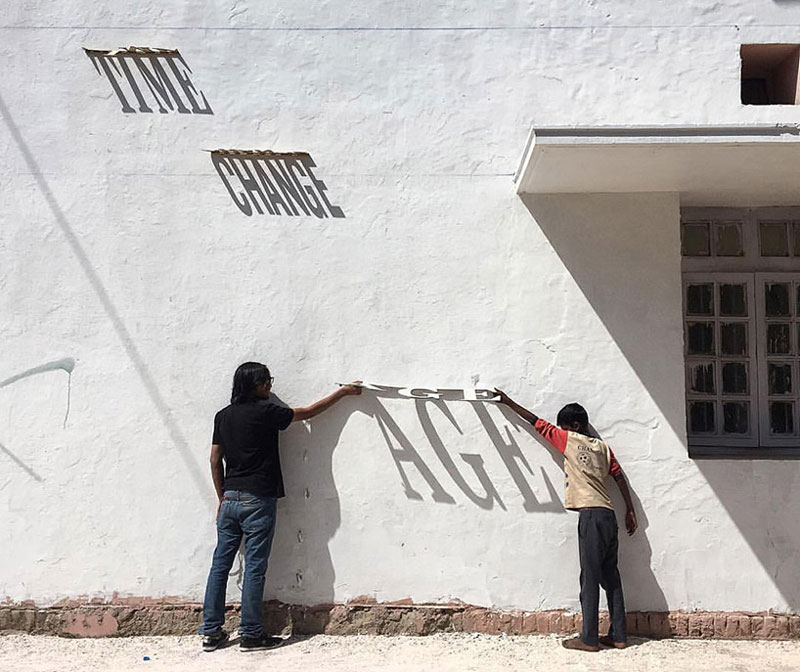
point(143, 616)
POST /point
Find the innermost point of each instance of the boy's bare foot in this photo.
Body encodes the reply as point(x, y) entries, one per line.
point(577, 644)
point(607, 641)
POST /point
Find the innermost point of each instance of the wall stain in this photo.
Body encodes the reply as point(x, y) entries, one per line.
point(66, 364)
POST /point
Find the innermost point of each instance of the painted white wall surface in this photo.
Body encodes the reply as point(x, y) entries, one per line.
point(121, 249)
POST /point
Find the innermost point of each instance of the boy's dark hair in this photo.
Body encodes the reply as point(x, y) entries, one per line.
point(572, 413)
point(245, 380)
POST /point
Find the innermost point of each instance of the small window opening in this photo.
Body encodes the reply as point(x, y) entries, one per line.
point(770, 73)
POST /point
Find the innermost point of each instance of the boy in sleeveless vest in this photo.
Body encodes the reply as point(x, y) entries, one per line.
point(587, 462)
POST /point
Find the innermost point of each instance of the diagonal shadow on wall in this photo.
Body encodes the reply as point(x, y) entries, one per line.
point(163, 410)
point(629, 270)
point(28, 470)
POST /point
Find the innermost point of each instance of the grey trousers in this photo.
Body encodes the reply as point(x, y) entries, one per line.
point(597, 545)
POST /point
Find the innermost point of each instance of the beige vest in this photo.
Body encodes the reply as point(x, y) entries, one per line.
point(586, 464)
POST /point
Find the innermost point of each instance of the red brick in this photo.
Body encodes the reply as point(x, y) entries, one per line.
point(794, 627)
point(91, 625)
point(478, 620)
point(603, 623)
point(782, 627)
point(418, 623)
point(735, 626)
point(369, 599)
point(679, 623)
point(528, 625)
point(720, 621)
point(516, 623)
point(659, 625)
point(495, 623)
point(643, 623)
point(767, 628)
point(566, 623)
point(542, 623)
point(695, 625)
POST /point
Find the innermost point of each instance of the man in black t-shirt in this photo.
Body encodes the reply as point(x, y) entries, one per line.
point(246, 470)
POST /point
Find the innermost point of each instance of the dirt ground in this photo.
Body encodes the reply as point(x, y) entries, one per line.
point(442, 653)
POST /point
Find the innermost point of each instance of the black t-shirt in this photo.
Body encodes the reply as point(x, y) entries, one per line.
point(248, 434)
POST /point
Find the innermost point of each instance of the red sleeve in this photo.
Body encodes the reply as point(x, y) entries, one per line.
point(556, 437)
point(613, 466)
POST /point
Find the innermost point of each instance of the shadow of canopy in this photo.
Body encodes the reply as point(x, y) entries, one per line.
point(623, 252)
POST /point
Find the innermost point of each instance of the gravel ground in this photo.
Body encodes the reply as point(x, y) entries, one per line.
point(442, 653)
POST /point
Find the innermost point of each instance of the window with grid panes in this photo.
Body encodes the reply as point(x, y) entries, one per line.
point(741, 320)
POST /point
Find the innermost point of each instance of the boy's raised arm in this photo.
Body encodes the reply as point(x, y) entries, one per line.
point(521, 411)
point(555, 436)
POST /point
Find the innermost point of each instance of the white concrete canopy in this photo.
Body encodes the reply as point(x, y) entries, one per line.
point(716, 165)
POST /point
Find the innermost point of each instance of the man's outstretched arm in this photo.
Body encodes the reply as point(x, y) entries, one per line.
point(308, 412)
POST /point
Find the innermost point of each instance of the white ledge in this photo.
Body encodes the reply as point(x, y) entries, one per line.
point(755, 164)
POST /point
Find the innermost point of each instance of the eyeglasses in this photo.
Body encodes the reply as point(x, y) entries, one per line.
point(269, 380)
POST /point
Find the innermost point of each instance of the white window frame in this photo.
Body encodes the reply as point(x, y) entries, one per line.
point(766, 438)
point(755, 270)
point(719, 438)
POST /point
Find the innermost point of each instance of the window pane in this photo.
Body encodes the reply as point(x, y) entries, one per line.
point(728, 239)
point(695, 240)
point(701, 338)
point(774, 239)
point(779, 339)
point(733, 338)
point(796, 237)
point(797, 305)
point(701, 378)
point(781, 420)
point(734, 378)
point(735, 417)
point(700, 300)
point(777, 296)
point(701, 417)
point(733, 300)
point(779, 378)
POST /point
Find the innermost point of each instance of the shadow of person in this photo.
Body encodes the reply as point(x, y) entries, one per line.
point(636, 556)
point(642, 591)
point(300, 569)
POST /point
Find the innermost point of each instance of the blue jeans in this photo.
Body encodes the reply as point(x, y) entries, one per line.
point(252, 516)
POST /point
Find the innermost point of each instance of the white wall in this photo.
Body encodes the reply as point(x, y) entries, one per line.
point(121, 249)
